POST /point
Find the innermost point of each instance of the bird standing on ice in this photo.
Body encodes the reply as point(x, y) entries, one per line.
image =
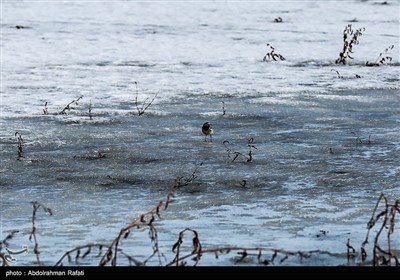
point(207, 130)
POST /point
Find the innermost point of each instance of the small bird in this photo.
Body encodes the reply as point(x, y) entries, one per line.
point(207, 130)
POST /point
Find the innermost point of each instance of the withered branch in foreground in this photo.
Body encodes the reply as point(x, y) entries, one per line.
point(36, 205)
point(386, 212)
point(146, 219)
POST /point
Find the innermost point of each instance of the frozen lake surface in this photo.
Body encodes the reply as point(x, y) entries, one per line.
point(325, 147)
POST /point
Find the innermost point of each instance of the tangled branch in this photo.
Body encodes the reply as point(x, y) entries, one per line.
point(146, 220)
point(381, 256)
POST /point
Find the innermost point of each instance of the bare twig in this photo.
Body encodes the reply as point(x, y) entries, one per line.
point(68, 106)
point(351, 252)
point(36, 205)
point(87, 249)
point(245, 252)
point(4, 242)
point(358, 139)
point(388, 215)
point(196, 246)
point(382, 58)
point(146, 220)
point(45, 111)
point(248, 157)
point(90, 110)
point(144, 106)
point(338, 74)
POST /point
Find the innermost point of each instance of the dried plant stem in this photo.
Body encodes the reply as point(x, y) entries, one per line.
point(376, 239)
point(196, 246)
point(144, 107)
point(272, 55)
point(243, 251)
point(68, 106)
point(137, 223)
point(146, 220)
point(351, 252)
point(223, 108)
point(90, 110)
point(358, 138)
point(9, 236)
point(88, 249)
point(249, 157)
point(348, 44)
point(393, 212)
point(36, 205)
point(388, 215)
point(370, 225)
point(20, 143)
point(4, 243)
point(45, 111)
point(3, 260)
point(382, 58)
point(338, 74)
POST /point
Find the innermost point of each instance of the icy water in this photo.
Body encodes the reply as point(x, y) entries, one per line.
point(325, 147)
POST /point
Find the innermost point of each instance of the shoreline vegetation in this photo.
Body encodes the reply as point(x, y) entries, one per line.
point(377, 249)
point(189, 251)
